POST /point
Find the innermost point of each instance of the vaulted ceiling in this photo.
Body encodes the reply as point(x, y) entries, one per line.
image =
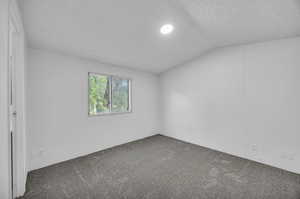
point(126, 33)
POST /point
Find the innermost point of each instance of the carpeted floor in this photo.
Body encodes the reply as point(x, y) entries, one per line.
point(161, 168)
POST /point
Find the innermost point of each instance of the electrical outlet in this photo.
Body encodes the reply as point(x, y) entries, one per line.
point(254, 147)
point(41, 152)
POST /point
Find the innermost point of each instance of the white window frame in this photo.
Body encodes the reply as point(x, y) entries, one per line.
point(110, 77)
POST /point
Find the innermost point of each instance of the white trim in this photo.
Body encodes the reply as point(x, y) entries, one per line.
point(5, 189)
point(14, 13)
point(20, 141)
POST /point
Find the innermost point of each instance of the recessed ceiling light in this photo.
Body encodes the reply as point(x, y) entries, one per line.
point(166, 29)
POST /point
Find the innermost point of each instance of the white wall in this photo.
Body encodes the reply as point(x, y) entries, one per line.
point(59, 127)
point(243, 100)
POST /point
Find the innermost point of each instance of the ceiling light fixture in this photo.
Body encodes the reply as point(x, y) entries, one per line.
point(166, 29)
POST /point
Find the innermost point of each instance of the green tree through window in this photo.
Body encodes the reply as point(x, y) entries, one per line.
point(98, 94)
point(108, 94)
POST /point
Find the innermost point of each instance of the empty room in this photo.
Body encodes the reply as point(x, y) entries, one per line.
point(150, 99)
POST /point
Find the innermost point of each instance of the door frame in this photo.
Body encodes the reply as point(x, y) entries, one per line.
point(5, 191)
point(20, 103)
point(12, 37)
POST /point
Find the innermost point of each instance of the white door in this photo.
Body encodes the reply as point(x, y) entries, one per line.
point(12, 104)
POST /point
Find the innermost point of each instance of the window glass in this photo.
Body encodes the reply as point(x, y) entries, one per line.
point(108, 94)
point(99, 91)
point(120, 94)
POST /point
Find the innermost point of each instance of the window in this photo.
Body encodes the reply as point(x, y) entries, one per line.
point(109, 94)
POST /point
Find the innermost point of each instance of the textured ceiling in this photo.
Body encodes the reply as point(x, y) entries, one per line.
point(126, 33)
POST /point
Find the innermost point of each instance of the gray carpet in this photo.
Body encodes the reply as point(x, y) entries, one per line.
point(161, 168)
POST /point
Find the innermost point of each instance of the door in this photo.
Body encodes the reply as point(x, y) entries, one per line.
point(12, 104)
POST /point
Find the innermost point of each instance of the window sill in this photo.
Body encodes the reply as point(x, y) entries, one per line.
point(110, 113)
